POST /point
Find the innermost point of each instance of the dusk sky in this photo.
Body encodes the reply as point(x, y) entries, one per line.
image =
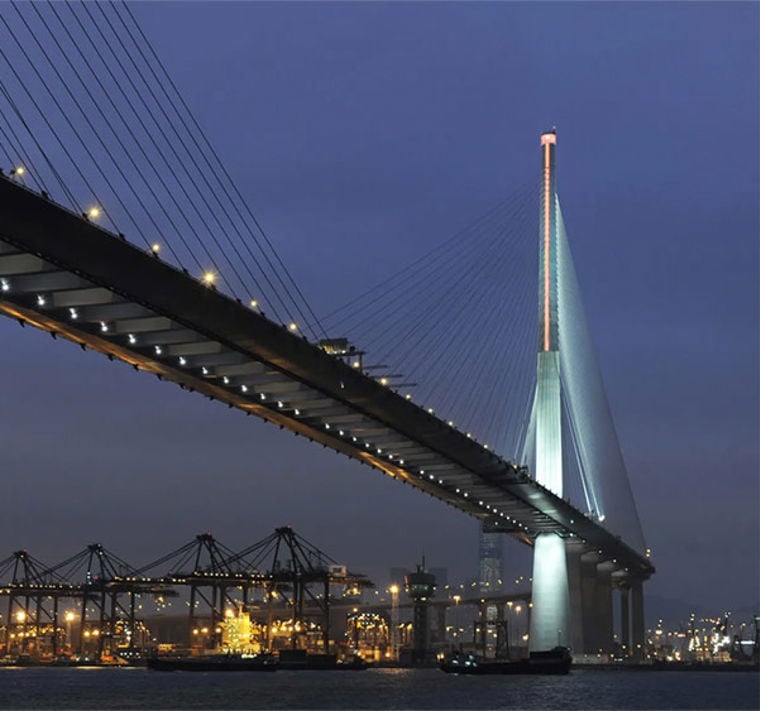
point(365, 134)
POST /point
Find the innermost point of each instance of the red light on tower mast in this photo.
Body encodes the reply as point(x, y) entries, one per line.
point(548, 143)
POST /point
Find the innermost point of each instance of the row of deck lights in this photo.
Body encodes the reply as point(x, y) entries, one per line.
point(182, 361)
point(93, 213)
point(209, 279)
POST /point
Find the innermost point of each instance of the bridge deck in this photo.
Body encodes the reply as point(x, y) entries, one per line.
point(65, 275)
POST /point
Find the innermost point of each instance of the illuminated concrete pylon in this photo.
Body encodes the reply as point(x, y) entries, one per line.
point(549, 624)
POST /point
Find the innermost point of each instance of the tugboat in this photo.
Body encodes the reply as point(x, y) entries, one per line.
point(215, 662)
point(555, 661)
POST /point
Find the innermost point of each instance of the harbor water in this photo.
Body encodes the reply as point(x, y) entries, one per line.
point(137, 688)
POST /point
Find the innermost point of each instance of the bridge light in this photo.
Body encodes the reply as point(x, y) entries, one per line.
point(327, 425)
point(430, 411)
point(292, 326)
point(244, 388)
point(383, 381)
point(296, 412)
point(182, 360)
point(155, 248)
point(408, 396)
point(40, 300)
point(401, 462)
point(204, 370)
point(279, 404)
point(158, 350)
point(262, 396)
point(131, 338)
point(254, 304)
point(226, 380)
point(4, 285)
point(19, 170)
point(209, 278)
point(94, 212)
point(356, 364)
point(341, 433)
point(73, 313)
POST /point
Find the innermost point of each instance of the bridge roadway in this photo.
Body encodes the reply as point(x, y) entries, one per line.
point(63, 274)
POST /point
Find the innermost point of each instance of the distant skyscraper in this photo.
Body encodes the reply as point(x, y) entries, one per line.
point(490, 560)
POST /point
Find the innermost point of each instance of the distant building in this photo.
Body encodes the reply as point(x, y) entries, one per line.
point(490, 561)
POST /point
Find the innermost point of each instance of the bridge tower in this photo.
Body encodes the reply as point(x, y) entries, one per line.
point(550, 616)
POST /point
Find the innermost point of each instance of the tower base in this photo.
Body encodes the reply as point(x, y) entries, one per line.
point(549, 621)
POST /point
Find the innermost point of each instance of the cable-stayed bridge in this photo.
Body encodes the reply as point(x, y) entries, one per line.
point(88, 113)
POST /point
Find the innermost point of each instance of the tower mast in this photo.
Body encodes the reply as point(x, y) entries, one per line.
point(550, 618)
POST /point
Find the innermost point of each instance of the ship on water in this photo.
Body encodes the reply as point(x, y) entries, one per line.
point(291, 660)
point(553, 661)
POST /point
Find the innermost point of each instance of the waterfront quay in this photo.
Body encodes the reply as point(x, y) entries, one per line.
point(283, 593)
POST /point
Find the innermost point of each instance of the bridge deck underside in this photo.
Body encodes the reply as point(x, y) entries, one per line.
point(62, 274)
